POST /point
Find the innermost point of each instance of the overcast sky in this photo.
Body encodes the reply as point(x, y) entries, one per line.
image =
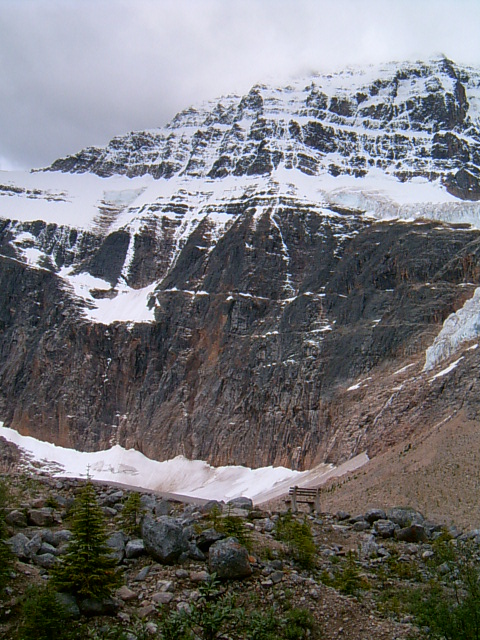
point(75, 73)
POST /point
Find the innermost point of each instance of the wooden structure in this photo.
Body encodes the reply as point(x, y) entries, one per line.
point(302, 495)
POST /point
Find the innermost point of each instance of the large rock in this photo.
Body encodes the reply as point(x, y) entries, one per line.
point(164, 539)
point(413, 533)
point(384, 528)
point(228, 559)
point(43, 517)
point(116, 542)
point(405, 516)
point(241, 502)
point(18, 544)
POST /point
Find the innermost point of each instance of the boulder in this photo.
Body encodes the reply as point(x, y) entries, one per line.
point(116, 542)
point(46, 560)
point(164, 539)
point(134, 548)
point(405, 516)
point(413, 533)
point(212, 505)
point(241, 503)
point(228, 559)
point(18, 544)
point(34, 545)
point(69, 604)
point(41, 517)
point(384, 528)
point(372, 515)
point(94, 607)
point(60, 537)
point(16, 518)
point(207, 538)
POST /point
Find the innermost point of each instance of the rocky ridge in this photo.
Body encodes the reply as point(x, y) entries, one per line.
point(408, 120)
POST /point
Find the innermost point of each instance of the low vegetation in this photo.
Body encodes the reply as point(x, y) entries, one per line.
point(312, 577)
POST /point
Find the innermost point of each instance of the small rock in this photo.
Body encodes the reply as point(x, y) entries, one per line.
point(141, 575)
point(276, 577)
point(182, 574)
point(162, 597)
point(165, 585)
point(199, 576)
point(126, 594)
point(361, 525)
point(146, 611)
point(134, 548)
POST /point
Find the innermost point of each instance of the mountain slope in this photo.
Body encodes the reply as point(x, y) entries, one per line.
point(244, 285)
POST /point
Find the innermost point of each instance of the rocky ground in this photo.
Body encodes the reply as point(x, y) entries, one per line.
point(360, 560)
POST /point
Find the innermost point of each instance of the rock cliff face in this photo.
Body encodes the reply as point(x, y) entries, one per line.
point(245, 294)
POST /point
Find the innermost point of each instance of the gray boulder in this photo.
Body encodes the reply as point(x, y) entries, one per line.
point(372, 515)
point(413, 533)
point(405, 516)
point(69, 604)
point(384, 528)
point(241, 503)
point(134, 548)
point(18, 545)
point(228, 559)
point(61, 537)
point(34, 545)
point(116, 542)
point(16, 518)
point(41, 517)
point(164, 539)
point(105, 607)
point(207, 537)
point(46, 560)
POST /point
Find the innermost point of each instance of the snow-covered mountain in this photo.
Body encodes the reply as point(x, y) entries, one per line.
point(245, 284)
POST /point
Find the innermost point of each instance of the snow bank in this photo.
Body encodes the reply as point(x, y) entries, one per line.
point(189, 477)
point(458, 328)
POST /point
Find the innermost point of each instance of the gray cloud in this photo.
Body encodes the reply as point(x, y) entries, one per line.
point(77, 72)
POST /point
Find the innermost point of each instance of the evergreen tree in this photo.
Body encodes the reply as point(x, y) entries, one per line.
point(87, 569)
point(132, 514)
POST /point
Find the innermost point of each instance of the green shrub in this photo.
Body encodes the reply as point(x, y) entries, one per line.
point(449, 605)
point(131, 514)
point(299, 539)
point(43, 616)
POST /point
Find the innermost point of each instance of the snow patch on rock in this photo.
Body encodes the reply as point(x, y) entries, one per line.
point(458, 328)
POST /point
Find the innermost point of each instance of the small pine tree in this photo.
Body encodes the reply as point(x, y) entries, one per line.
point(43, 616)
point(87, 569)
point(132, 514)
point(6, 558)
